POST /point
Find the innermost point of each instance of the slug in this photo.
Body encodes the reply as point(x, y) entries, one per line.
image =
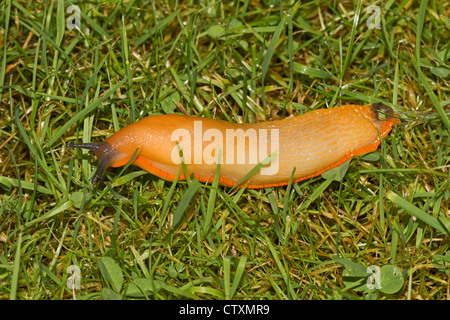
point(311, 143)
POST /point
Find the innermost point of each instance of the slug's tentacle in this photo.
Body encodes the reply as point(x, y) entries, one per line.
point(93, 146)
point(106, 154)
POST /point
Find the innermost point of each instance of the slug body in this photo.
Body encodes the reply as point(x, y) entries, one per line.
point(311, 143)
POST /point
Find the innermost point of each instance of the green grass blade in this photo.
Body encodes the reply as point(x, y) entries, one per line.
point(80, 115)
point(27, 185)
point(287, 198)
point(416, 212)
point(212, 196)
point(112, 273)
point(240, 269)
point(258, 167)
point(290, 50)
point(439, 108)
point(168, 198)
point(33, 150)
point(156, 28)
point(316, 193)
point(60, 22)
point(7, 14)
point(419, 30)
point(284, 274)
point(127, 68)
point(185, 201)
point(351, 41)
point(269, 54)
point(227, 278)
point(60, 208)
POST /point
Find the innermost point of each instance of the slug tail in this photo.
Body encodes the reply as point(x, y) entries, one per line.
point(106, 154)
point(384, 118)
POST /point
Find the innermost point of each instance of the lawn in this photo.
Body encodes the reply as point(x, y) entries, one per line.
point(80, 71)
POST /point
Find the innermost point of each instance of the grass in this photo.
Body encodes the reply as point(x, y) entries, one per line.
point(136, 236)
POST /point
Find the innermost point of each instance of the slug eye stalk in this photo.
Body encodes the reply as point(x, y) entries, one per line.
point(104, 152)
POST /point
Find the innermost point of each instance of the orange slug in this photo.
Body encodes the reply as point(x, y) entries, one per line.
point(311, 143)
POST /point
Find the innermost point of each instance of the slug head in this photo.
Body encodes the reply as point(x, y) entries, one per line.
point(105, 153)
